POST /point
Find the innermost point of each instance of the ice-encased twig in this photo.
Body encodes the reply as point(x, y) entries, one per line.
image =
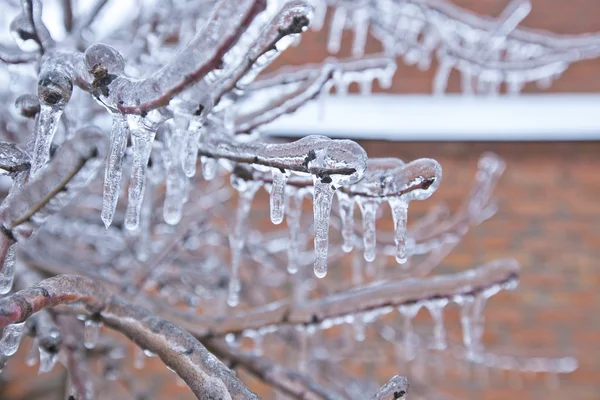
point(229, 19)
point(179, 350)
point(395, 389)
point(13, 158)
point(375, 298)
point(74, 165)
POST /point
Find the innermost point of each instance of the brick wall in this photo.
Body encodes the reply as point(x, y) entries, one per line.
point(549, 220)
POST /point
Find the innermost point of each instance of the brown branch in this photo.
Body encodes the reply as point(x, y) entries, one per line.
point(205, 375)
point(248, 9)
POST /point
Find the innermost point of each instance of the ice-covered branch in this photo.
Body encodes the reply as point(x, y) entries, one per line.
point(376, 298)
point(395, 389)
point(74, 165)
point(204, 374)
point(12, 158)
point(229, 19)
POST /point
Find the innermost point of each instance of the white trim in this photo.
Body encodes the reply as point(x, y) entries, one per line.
point(452, 117)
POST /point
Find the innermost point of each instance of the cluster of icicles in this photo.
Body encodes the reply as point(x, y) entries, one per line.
point(373, 182)
point(487, 52)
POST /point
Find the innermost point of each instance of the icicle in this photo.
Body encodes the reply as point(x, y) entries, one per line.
point(92, 333)
point(410, 337)
point(11, 337)
point(436, 309)
point(399, 208)
point(141, 140)
point(144, 242)
point(338, 23)
point(258, 345)
point(7, 273)
point(277, 195)
point(472, 321)
point(45, 128)
point(176, 181)
point(359, 329)
point(368, 207)
point(139, 358)
point(346, 204)
point(32, 356)
point(360, 18)
point(323, 196)
point(47, 360)
point(293, 215)
point(209, 167)
point(191, 151)
point(440, 81)
point(114, 168)
point(246, 190)
point(302, 348)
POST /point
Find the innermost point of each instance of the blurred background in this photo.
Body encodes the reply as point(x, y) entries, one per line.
point(549, 212)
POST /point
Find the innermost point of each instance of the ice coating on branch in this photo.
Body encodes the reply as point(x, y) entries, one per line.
point(114, 167)
point(27, 105)
point(246, 190)
point(13, 158)
point(7, 272)
point(346, 206)
point(226, 23)
point(276, 35)
point(395, 389)
point(11, 338)
point(75, 163)
point(277, 195)
point(398, 183)
point(142, 138)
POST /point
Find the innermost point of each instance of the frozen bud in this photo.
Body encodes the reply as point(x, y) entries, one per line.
point(27, 105)
point(54, 88)
point(103, 59)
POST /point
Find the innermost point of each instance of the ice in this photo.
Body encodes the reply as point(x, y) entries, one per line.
point(11, 337)
point(277, 195)
point(47, 360)
point(114, 168)
point(141, 140)
point(7, 273)
point(92, 332)
point(346, 205)
point(246, 190)
point(323, 196)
